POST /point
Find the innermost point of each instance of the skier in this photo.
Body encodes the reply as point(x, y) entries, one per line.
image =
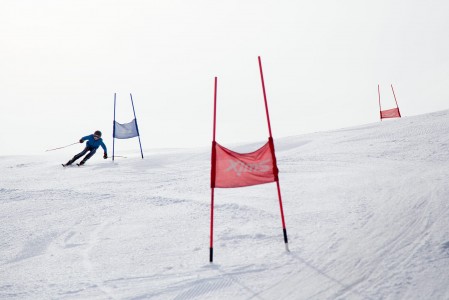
point(93, 142)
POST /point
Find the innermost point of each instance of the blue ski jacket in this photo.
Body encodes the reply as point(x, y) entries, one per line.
point(94, 144)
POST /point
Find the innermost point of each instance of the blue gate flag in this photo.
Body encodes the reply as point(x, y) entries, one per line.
point(125, 131)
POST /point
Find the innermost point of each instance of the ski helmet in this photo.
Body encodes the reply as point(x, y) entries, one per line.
point(97, 133)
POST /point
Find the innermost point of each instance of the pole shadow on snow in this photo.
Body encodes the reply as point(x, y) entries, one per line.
point(345, 287)
point(210, 285)
point(235, 280)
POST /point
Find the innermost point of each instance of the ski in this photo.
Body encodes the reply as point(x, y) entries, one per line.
point(65, 165)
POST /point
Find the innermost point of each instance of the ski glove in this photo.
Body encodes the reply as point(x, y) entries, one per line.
point(81, 140)
point(105, 156)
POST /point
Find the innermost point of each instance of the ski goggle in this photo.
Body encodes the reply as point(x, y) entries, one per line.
point(96, 137)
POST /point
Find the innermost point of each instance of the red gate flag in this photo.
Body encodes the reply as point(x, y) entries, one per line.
point(231, 169)
point(390, 113)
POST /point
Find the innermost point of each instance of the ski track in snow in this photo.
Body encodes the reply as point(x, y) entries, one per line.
point(87, 262)
point(366, 212)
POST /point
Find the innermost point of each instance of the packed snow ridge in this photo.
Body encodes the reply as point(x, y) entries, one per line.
point(366, 210)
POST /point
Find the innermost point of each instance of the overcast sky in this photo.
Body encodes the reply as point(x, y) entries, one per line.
point(62, 61)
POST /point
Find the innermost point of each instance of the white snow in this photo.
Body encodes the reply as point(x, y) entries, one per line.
point(366, 210)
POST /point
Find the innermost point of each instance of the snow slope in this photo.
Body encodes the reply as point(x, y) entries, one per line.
point(366, 210)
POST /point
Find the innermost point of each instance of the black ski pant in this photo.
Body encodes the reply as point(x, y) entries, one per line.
point(89, 155)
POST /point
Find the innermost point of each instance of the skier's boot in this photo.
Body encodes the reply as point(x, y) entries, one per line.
point(68, 163)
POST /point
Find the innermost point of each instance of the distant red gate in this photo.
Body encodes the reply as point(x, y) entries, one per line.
point(389, 113)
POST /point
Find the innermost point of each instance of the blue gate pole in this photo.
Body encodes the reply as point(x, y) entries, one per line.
point(113, 131)
point(137, 127)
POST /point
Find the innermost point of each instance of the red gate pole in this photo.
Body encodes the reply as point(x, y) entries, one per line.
point(380, 108)
point(396, 101)
point(284, 228)
point(212, 178)
point(265, 97)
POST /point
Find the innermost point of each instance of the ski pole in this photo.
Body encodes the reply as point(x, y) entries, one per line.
point(62, 147)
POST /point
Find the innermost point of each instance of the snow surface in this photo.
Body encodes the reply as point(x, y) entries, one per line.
point(366, 210)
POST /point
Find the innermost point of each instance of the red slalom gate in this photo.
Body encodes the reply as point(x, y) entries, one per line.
point(230, 169)
point(389, 113)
